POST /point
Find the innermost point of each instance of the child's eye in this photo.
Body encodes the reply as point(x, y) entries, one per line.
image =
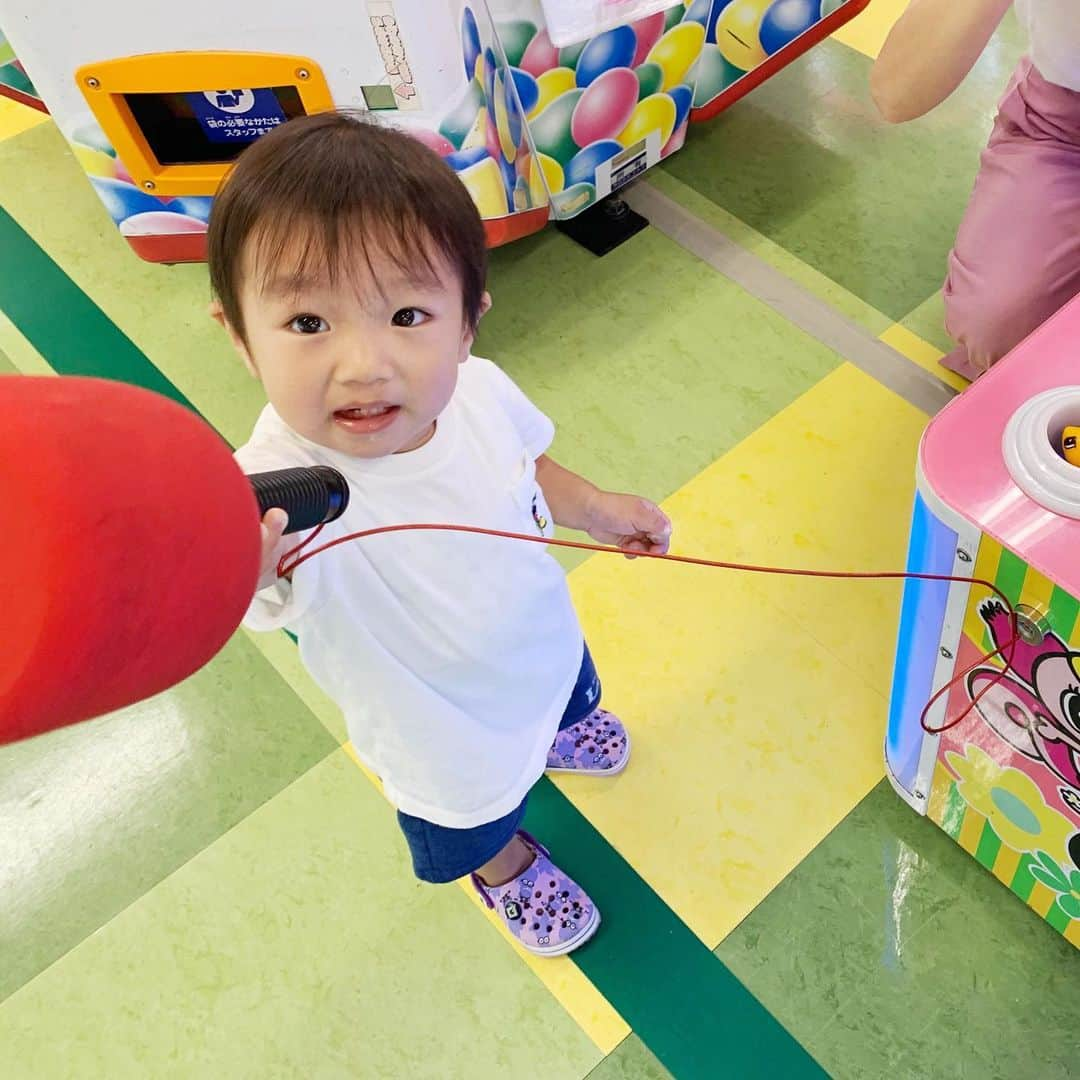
point(309, 324)
point(409, 316)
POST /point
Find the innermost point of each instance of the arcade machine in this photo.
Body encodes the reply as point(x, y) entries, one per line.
point(543, 107)
point(996, 763)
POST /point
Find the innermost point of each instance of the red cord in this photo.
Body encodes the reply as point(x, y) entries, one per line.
point(285, 568)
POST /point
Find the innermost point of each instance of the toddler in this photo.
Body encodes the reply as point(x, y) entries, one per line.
point(348, 265)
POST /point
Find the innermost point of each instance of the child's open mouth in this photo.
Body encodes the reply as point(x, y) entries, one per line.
point(367, 419)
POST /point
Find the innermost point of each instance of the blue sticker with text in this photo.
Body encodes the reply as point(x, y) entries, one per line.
point(236, 115)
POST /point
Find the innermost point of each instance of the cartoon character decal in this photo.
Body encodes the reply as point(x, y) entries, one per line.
point(1035, 704)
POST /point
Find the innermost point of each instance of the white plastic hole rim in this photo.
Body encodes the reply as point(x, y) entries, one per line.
point(1029, 448)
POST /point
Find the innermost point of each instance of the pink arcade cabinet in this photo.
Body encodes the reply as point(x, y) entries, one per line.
point(997, 500)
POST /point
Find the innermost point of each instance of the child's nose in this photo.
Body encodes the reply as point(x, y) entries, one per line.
point(362, 360)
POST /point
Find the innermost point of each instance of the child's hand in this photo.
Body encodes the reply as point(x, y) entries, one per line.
point(630, 523)
point(274, 546)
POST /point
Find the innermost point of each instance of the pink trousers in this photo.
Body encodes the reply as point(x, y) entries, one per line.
point(1017, 254)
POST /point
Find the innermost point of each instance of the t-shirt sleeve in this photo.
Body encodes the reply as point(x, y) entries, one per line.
point(535, 428)
point(285, 603)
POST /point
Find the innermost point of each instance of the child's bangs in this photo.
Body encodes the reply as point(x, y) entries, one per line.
point(293, 250)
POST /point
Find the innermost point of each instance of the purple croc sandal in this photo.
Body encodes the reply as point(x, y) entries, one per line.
point(546, 912)
point(599, 745)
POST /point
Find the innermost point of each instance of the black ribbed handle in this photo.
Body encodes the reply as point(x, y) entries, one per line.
point(310, 496)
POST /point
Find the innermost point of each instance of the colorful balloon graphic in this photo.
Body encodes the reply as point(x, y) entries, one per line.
point(160, 223)
point(470, 42)
point(461, 119)
point(123, 200)
point(612, 49)
point(647, 31)
point(574, 199)
point(654, 113)
point(545, 171)
point(527, 89)
point(698, 12)
point(583, 165)
point(738, 32)
point(549, 86)
point(677, 50)
point(98, 163)
point(715, 74)
point(485, 184)
point(551, 128)
point(605, 107)
point(785, 21)
point(540, 56)
point(683, 97)
point(650, 78)
point(433, 141)
point(516, 36)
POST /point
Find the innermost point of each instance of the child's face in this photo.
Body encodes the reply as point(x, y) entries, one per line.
point(359, 367)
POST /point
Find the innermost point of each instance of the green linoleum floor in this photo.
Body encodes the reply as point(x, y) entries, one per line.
point(806, 161)
point(105, 811)
point(283, 927)
point(893, 953)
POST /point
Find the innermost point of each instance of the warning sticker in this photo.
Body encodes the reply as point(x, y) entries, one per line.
point(232, 115)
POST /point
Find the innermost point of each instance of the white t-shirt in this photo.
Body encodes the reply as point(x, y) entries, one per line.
point(452, 655)
point(1053, 28)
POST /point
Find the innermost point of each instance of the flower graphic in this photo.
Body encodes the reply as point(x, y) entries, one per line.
point(1011, 802)
point(1066, 883)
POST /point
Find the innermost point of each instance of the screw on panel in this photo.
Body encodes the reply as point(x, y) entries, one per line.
point(962, 555)
point(92, 82)
point(303, 73)
point(945, 652)
point(149, 185)
point(1032, 625)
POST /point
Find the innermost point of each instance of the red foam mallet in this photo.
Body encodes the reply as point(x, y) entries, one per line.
point(130, 547)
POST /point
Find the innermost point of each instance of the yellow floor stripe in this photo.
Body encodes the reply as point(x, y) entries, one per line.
point(15, 118)
point(563, 978)
point(19, 351)
point(867, 31)
point(757, 706)
point(922, 353)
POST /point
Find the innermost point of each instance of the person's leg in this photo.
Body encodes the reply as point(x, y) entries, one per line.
point(542, 908)
point(590, 739)
point(1016, 259)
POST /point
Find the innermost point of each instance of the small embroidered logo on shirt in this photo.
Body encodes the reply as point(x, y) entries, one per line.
point(541, 521)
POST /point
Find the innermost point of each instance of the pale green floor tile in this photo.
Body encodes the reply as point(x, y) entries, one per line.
point(890, 951)
point(812, 280)
point(299, 945)
point(650, 363)
point(96, 814)
point(928, 321)
point(630, 1060)
point(163, 309)
point(805, 160)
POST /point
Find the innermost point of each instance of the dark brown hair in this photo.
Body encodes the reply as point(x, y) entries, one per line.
point(335, 187)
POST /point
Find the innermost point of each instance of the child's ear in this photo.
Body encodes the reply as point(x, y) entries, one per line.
point(470, 331)
point(217, 313)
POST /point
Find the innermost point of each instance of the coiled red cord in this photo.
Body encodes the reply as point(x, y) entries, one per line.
point(287, 567)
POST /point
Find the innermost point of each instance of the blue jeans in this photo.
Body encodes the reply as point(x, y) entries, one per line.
point(440, 854)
